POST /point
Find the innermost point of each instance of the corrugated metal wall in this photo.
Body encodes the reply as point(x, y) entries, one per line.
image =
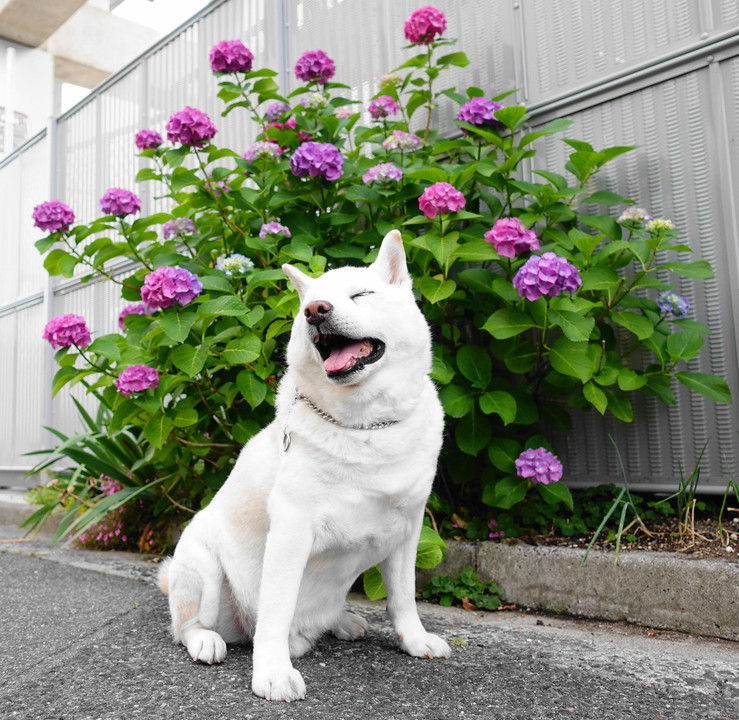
point(663, 75)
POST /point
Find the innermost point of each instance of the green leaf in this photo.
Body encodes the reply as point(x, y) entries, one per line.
point(435, 290)
point(475, 251)
point(430, 551)
point(605, 197)
point(157, 430)
point(475, 364)
point(511, 116)
point(603, 223)
point(190, 358)
point(555, 493)
point(472, 433)
point(507, 323)
point(660, 387)
point(176, 325)
point(185, 417)
point(374, 587)
point(620, 406)
point(628, 380)
point(457, 401)
point(521, 358)
point(697, 269)
point(442, 247)
point(638, 324)
point(595, 396)
point(599, 277)
point(251, 387)
point(506, 492)
point(224, 305)
point(574, 326)
point(62, 377)
point(216, 282)
point(503, 453)
point(571, 359)
point(710, 386)
point(477, 279)
point(501, 403)
point(684, 344)
point(458, 59)
point(107, 346)
point(243, 350)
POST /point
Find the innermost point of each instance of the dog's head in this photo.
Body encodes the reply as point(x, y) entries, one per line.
point(354, 321)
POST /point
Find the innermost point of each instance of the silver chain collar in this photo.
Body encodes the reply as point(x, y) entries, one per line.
point(330, 418)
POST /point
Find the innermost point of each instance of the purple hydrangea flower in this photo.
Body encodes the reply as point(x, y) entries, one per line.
point(276, 110)
point(384, 172)
point(52, 216)
point(65, 330)
point(400, 140)
point(510, 238)
point(383, 106)
point(119, 202)
point(314, 158)
point(274, 229)
point(636, 215)
point(235, 264)
point(263, 150)
point(148, 139)
point(671, 302)
point(178, 227)
point(315, 65)
point(540, 465)
point(133, 309)
point(424, 25)
point(168, 286)
point(190, 127)
point(546, 274)
point(136, 378)
point(479, 111)
point(440, 198)
point(230, 56)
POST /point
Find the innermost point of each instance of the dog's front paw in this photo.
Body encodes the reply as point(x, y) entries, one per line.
point(350, 627)
point(284, 685)
point(205, 646)
point(424, 644)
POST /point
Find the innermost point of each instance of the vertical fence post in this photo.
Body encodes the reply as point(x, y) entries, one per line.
point(283, 43)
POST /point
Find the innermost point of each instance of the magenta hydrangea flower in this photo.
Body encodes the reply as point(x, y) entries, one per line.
point(383, 106)
point(314, 158)
point(276, 110)
point(384, 172)
point(65, 330)
point(119, 202)
point(401, 140)
point(540, 465)
point(52, 216)
point(479, 111)
point(216, 187)
point(190, 127)
point(136, 378)
point(148, 139)
point(274, 229)
point(315, 66)
point(424, 24)
point(263, 150)
point(133, 309)
point(510, 238)
point(671, 302)
point(440, 198)
point(230, 56)
point(168, 286)
point(546, 274)
point(178, 227)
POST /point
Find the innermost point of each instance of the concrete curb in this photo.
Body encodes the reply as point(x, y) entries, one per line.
point(660, 590)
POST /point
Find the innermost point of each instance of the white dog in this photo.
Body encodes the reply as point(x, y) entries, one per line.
point(334, 485)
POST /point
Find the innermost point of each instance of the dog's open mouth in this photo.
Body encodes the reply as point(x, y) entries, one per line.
point(342, 355)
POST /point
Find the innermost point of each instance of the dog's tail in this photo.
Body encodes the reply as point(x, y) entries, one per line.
point(163, 575)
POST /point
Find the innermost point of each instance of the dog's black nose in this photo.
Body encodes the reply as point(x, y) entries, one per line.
point(317, 311)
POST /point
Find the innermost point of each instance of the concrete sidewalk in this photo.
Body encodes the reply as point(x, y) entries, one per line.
point(85, 635)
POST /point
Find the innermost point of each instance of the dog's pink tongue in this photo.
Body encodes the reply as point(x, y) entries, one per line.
point(345, 358)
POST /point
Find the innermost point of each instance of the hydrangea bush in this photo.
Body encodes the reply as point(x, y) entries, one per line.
point(545, 291)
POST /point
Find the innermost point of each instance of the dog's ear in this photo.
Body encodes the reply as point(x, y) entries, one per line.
point(390, 264)
point(301, 282)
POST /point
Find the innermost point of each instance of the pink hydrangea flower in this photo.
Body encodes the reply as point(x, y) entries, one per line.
point(540, 465)
point(424, 24)
point(133, 309)
point(315, 66)
point(510, 238)
point(168, 286)
point(344, 112)
point(401, 140)
point(384, 172)
point(440, 198)
point(479, 111)
point(148, 139)
point(314, 158)
point(52, 216)
point(230, 56)
point(119, 202)
point(274, 229)
point(190, 127)
point(65, 330)
point(383, 106)
point(546, 274)
point(263, 150)
point(136, 378)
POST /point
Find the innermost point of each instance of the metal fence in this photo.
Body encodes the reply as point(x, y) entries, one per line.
point(662, 75)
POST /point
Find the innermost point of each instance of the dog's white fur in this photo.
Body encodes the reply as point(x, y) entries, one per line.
point(273, 555)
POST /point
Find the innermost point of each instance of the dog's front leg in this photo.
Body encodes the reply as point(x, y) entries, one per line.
point(399, 575)
point(286, 553)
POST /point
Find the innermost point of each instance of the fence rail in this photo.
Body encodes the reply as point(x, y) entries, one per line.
point(663, 76)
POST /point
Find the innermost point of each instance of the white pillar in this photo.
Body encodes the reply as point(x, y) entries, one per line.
point(9, 129)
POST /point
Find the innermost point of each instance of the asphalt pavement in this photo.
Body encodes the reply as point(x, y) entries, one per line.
point(85, 636)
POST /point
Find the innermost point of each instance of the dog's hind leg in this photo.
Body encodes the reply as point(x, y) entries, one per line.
point(350, 627)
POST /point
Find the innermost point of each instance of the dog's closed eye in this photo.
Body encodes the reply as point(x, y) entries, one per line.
point(362, 293)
